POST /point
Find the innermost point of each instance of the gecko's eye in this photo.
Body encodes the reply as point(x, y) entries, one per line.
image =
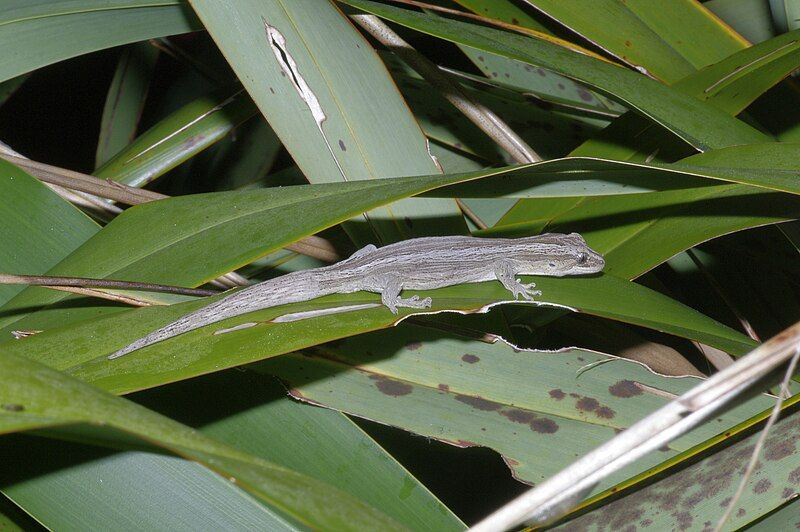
point(582, 258)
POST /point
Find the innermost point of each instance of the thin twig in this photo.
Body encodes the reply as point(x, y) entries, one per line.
point(477, 113)
point(84, 183)
point(762, 438)
point(84, 282)
point(93, 292)
point(83, 199)
point(469, 213)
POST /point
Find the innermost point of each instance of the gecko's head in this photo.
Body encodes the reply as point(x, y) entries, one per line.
point(559, 255)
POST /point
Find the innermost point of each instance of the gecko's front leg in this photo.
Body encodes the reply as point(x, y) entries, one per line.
point(504, 271)
point(390, 296)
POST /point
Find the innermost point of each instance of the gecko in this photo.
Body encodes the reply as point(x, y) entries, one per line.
point(417, 264)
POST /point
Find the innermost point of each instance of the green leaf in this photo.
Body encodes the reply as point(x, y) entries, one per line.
point(772, 166)
point(648, 229)
point(202, 351)
point(544, 84)
point(177, 138)
point(700, 125)
point(731, 85)
point(37, 227)
point(40, 33)
point(349, 86)
point(698, 494)
point(65, 485)
point(538, 409)
point(58, 481)
point(252, 412)
point(553, 133)
point(669, 43)
point(43, 397)
point(751, 18)
point(125, 99)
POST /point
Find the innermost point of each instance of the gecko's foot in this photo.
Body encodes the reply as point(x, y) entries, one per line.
point(413, 302)
point(525, 290)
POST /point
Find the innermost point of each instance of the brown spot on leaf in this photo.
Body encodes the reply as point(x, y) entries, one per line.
point(604, 412)
point(518, 416)
point(544, 426)
point(478, 403)
point(624, 389)
point(557, 394)
point(272, 90)
point(646, 522)
point(514, 21)
point(587, 404)
point(444, 387)
point(684, 520)
point(390, 386)
point(794, 476)
point(414, 345)
point(541, 72)
point(694, 499)
point(741, 512)
point(628, 43)
point(13, 407)
point(762, 486)
point(470, 359)
point(778, 450)
point(481, 59)
point(341, 145)
point(787, 493)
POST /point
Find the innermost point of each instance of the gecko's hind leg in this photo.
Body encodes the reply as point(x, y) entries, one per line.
point(390, 296)
point(504, 271)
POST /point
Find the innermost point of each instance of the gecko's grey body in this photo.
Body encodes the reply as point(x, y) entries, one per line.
point(416, 264)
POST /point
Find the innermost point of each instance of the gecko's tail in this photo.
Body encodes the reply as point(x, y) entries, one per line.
point(290, 288)
point(200, 318)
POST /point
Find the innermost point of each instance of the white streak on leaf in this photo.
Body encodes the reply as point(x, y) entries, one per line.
point(297, 316)
point(289, 67)
point(236, 328)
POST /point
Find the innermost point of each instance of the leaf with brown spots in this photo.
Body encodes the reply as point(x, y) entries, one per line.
point(686, 496)
point(532, 407)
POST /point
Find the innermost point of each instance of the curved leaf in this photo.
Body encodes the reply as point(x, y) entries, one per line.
point(539, 409)
point(205, 350)
point(36, 34)
point(52, 399)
